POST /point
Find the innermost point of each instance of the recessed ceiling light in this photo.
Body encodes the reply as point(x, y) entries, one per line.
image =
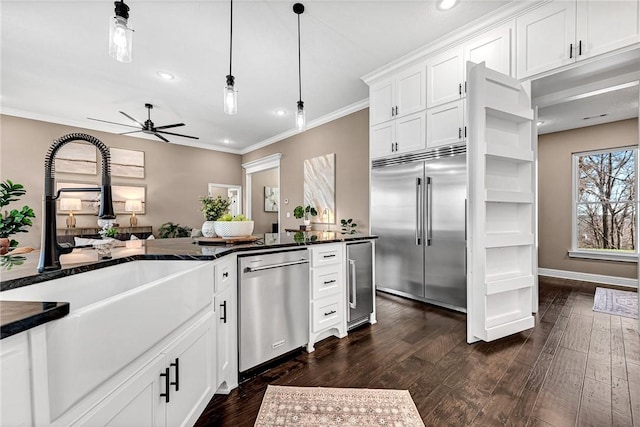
point(280, 112)
point(226, 141)
point(446, 4)
point(165, 76)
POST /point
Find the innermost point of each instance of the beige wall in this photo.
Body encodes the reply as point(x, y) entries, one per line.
point(262, 220)
point(555, 194)
point(175, 175)
point(348, 137)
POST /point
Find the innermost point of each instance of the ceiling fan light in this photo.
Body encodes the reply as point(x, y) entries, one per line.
point(300, 117)
point(230, 97)
point(446, 4)
point(120, 35)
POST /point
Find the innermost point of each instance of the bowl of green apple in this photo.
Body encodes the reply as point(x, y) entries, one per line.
point(233, 226)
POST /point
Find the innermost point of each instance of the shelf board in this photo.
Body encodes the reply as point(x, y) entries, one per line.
point(501, 196)
point(501, 240)
point(508, 284)
point(509, 153)
point(512, 113)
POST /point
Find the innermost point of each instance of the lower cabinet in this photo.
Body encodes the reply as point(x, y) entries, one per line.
point(15, 387)
point(171, 390)
point(226, 316)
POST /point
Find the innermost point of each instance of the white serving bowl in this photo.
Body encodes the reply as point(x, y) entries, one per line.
point(233, 228)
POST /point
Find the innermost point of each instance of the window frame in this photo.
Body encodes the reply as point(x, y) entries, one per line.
point(577, 252)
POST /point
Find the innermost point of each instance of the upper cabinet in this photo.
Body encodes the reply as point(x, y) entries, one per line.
point(562, 32)
point(398, 96)
point(494, 48)
point(445, 81)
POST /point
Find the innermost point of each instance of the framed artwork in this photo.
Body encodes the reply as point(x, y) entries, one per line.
point(77, 157)
point(90, 201)
point(320, 187)
point(127, 163)
point(271, 199)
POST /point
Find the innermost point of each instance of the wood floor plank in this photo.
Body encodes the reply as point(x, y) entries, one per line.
point(634, 391)
point(583, 305)
point(578, 333)
point(599, 357)
point(618, 359)
point(559, 398)
point(631, 340)
point(601, 321)
point(595, 407)
point(620, 403)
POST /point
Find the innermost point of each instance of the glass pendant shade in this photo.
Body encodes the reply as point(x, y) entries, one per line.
point(120, 39)
point(300, 117)
point(230, 97)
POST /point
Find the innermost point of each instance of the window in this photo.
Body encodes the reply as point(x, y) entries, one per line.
point(604, 214)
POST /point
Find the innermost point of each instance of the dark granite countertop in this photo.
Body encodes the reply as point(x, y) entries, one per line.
point(18, 316)
point(21, 270)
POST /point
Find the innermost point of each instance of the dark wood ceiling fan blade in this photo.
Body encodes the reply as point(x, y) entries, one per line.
point(175, 125)
point(178, 134)
point(113, 123)
point(131, 118)
point(161, 137)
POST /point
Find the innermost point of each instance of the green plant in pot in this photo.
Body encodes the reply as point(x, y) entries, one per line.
point(13, 221)
point(306, 213)
point(347, 226)
point(212, 209)
point(170, 230)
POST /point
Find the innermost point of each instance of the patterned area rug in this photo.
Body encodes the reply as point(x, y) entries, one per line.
point(619, 303)
point(319, 406)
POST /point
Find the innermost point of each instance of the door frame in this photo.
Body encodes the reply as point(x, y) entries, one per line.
point(259, 165)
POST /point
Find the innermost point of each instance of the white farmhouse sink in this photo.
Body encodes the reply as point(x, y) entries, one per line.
point(116, 314)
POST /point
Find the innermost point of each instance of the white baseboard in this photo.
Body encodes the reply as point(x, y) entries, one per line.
point(588, 277)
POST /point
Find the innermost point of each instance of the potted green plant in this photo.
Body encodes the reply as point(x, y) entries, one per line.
point(212, 209)
point(306, 212)
point(170, 230)
point(347, 226)
point(13, 221)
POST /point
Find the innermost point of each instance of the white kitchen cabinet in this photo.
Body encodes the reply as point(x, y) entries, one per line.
point(494, 48)
point(398, 136)
point(398, 96)
point(445, 124)
point(445, 77)
point(562, 32)
point(225, 306)
point(15, 388)
point(328, 293)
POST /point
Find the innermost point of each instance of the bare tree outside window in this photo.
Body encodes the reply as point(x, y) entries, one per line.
point(606, 200)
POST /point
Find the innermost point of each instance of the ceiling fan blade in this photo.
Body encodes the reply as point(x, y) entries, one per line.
point(113, 123)
point(133, 131)
point(175, 125)
point(161, 137)
point(178, 134)
point(131, 118)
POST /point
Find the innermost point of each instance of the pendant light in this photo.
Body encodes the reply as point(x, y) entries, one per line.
point(120, 35)
point(298, 9)
point(230, 92)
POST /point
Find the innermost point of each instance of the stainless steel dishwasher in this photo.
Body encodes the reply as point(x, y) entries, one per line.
point(274, 305)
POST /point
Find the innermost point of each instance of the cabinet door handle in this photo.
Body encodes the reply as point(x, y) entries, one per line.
point(393, 111)
point(327, 282)
point(330, 313)
point(166, 385)
point(329, 256)
point(465, 86)
point(460, 89)
point(459, 133)
point(570, 50)
point(224, 312)
point(396, 146)
point(225, 274)
point(392, 147)
point(580, 47)
point(465, 131)
point(176, 364)
point(396, 110)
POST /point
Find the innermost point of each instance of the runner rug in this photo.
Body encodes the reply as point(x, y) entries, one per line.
point(619, 303)
point(351, 407)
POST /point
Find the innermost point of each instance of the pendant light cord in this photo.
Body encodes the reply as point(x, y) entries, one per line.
point(299, 67)
point(230, 37)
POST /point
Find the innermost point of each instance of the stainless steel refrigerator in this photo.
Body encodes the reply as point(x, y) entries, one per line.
point(359, 283)
point(418, 212)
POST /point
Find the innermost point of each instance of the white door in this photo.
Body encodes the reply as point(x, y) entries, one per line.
point(381, 103)
point(411, 92)
point(445, 124)
point(603, 26)
point(546, 38)
point(501, 206)
point(493, 48)
point(410, 133)
point(445, 78)
point(382, 139)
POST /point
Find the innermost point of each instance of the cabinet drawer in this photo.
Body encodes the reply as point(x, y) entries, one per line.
point(225, 274)
point(326, 281)
point(327, 312)
point(326, 255)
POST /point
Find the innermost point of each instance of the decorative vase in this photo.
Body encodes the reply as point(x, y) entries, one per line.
point(307, 222)
point(4, 245)
point(208, 229)
point(233, 228)
point(103, 248)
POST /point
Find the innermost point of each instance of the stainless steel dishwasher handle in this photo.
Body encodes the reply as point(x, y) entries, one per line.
point(282, 264)
point(352, 280)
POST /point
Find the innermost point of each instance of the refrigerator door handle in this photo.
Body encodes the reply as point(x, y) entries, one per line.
point(353, 301)
point(429, 212)
point(418, 211)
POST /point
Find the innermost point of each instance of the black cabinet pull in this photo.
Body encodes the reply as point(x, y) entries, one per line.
point(329, 256)
point(396, 146)
point(465, 131)
point(330, 313)
point(392, 111)
point(392, 147)
point(225, 274)
point(459, 133)
point(396, 110)
point(465, 87)
point(326, 282)
point(224, 312)
point(580, 47)
point(166, 385)
point(570, 50)
point(176, 364)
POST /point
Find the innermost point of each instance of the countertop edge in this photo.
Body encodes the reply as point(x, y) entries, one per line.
point(17, 326)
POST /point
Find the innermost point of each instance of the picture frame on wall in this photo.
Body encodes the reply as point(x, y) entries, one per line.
point(77, 157)
point(271, 199)
point(127, 163)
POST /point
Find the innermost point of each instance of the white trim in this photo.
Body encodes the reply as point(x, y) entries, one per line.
point(605, 256)
point(588, 277)
point(258, 165)
point(344, 111)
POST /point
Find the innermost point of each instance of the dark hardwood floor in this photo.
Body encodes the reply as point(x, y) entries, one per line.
point(575, 368)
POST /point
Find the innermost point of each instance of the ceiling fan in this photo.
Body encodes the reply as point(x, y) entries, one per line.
point(148, 126)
